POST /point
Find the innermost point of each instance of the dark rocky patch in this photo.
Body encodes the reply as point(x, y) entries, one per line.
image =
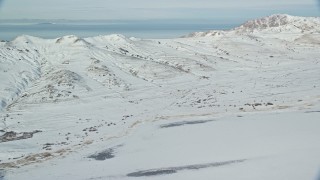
point(2, 173)
point(101, 156)
point(172, 170)
point(312, 112)
point(14, 136)
point(124, 51)
point(152, 173)
point(184, 123)
point(91, 129)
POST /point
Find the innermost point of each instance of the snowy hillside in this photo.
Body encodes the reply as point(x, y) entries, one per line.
point(238, 104)
point(282, 23)
point(278, 23)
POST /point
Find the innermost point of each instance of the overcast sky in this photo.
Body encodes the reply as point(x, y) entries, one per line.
point(152, 9)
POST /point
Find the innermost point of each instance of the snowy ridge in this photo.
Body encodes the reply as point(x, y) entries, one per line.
point(20, 66)
point(278, 23)
point(214, 105)
point(282, 23)
point(205, 34)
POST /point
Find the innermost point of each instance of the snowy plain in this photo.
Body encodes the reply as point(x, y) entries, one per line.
point(236, 104)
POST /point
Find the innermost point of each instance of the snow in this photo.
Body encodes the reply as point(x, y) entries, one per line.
point(237, 104)
point(279, 25)
point(282, 22)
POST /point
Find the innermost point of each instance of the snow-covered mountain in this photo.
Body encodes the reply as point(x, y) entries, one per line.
point(235, 104)
point(282, 23)
point(278, 23)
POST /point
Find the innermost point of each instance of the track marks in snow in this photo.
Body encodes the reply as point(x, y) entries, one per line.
point(184, 123)
point(172, 170)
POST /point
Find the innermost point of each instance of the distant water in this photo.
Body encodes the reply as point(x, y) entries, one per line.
point(139, 29)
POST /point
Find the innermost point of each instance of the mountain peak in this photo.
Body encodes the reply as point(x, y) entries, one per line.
point(281, 22)
point(275, 23)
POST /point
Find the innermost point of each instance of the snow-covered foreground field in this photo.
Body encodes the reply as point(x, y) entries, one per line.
point(238, 104)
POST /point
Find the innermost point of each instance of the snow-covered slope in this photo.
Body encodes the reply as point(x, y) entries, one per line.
point(278, 23)
point(238, 104)
point(282, 23)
